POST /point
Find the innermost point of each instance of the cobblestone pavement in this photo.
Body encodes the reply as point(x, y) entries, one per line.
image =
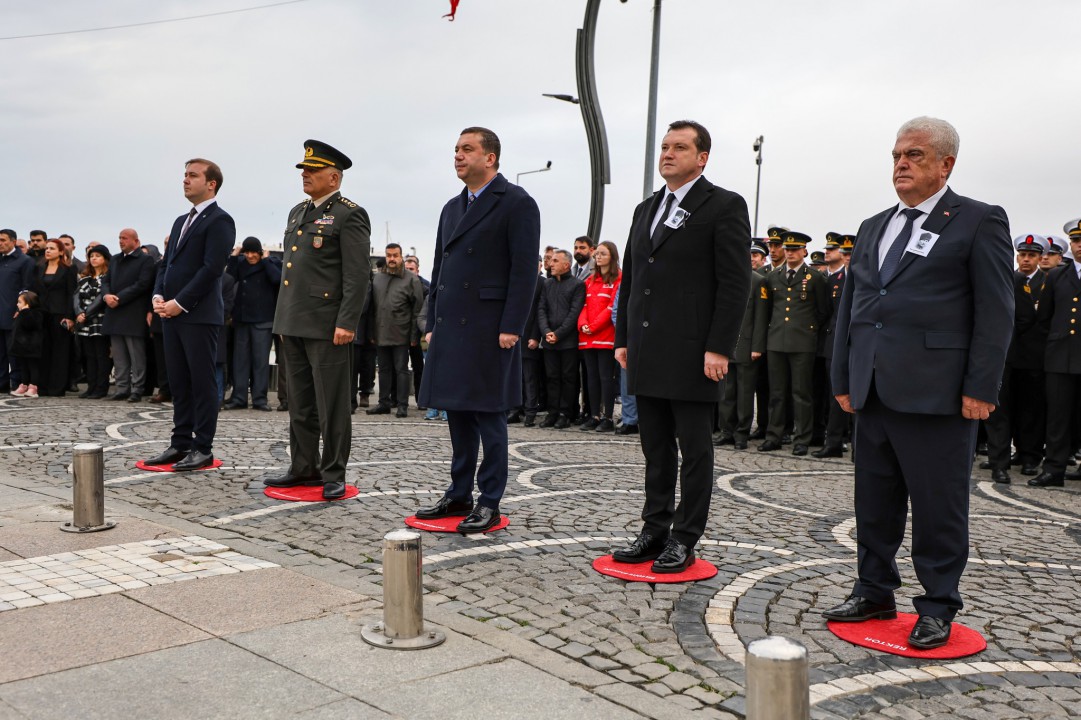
point(780, 534)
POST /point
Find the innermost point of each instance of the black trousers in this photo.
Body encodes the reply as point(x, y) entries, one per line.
point(55, 355)
point(821, 398)
point(191, 352)
point(837, 422)
point(925, 460)
point(393, 375)
point(667, 429)
point(98, 365)
point(161, 369)
point(532, 379)
point(999, 425)
point(318, 406)
point(1029, 414)
point(469, 431)
point(600, 370)
point(561, 369)
point(363, 376)
point(1063, 395)
point(416, 365)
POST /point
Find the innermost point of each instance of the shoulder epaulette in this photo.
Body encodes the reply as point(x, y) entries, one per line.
point(347, 202)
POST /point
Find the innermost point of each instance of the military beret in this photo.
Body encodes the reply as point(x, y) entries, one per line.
point(795, 240)
point(818, 258)
point(758, 245)
point(1056, 245)
point(320, 155)
point(1031, 243)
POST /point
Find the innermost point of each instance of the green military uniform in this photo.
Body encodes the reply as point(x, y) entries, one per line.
point(799, 307)
point(325, 278)
point(737, 404)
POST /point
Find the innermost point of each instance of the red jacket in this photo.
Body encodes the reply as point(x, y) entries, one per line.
point(597, 314)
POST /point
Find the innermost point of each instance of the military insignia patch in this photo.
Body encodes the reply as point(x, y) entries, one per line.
point(765, 295)
point(1028, 289)
point(317, 242)
point(325, 220)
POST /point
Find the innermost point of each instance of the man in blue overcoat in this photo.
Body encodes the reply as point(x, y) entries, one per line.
point(482, 288)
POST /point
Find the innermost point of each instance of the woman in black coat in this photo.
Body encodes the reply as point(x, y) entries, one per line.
point(89, 312)
point(55, 287)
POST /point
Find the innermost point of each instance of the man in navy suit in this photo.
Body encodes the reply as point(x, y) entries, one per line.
point(483, 282)
point(187, 296)
point(922, 331)
point(682, 301)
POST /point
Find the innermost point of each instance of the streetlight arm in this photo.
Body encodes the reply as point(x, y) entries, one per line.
point(546, 168)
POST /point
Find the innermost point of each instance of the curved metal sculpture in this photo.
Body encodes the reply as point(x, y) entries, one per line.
point(599, 166)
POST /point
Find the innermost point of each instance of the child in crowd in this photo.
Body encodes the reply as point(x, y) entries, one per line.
point(27, 338)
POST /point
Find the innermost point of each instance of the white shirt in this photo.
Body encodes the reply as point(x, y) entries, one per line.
point(680, 193)
point(897, 223)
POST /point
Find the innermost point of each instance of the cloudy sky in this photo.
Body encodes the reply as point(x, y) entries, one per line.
point(95, 126)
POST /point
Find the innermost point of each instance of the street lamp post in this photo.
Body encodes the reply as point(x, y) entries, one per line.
point(546, 168)
point(758, 184)
point(651, 112)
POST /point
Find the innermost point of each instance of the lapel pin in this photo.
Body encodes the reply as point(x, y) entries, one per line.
point(946, 213)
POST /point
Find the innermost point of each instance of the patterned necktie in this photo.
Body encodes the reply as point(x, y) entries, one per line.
point(469, 202)
point(897, 249)
point(187, 226)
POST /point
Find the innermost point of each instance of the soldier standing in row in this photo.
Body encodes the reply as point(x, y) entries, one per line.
point(798, 308)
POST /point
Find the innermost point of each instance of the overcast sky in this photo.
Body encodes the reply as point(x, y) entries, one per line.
point(95, 126)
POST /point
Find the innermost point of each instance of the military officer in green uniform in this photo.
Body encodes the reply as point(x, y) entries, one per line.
point(737, 404)
point(799, 306)
point(325, 278)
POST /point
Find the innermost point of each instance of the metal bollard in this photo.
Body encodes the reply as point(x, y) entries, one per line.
point(88, 491)
point(403, 607)
point(778, 687)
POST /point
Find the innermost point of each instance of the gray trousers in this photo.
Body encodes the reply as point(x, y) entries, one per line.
point(129, 363)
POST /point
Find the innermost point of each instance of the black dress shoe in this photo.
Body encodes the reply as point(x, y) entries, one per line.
point(363, 401)
point(168, 457)
point(605, 425)
point(1047, 479)
point(133, 398)
point(590, 424)
point(562, 423)
point(378, 410)
point(645, 547)
point(675, 558)
point(799, 450)
point(194, 460)
point(402, 412)
point(769, 446)
point(334, 490)
point(786, 439)
point(739, 445)
point(481, 519)
point(1031, 470)
point(514, 417)
point(724, 440)
point(929, 632)
point(261, 408)
point(981, 448)
point(985, 465)
point(759, 434)
point(829, 451)
point(529, 421)
point(858, 609)
point(159, 398)
point(283, 407)
point(550, 420)
point(1075, 475)
point(119, 396)
point(446, 507)
point(85, 394)
point(631, 429)
point(234, 406)
point(1000, 476)
point(287, 480)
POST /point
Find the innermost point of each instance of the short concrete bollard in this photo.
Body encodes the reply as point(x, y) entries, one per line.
point(777, 682)
point(88, 491)
point(403, 607)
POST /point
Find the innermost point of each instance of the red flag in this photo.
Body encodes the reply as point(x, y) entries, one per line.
point(453, 9)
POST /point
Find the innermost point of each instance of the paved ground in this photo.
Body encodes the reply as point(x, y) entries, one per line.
point(211, 600)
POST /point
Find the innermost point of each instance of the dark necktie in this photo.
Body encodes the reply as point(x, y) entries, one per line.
point(187, 226)
point(664, 216)
point(897, 249)
point(791, 274)
point(469, 202)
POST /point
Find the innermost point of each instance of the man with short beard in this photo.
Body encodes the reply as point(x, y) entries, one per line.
point(583, 258)
point(36, 251)
point(398, 297)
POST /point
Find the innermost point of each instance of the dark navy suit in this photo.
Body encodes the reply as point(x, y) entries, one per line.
point(906, 351)
point(483, 282)
point(190, 273)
